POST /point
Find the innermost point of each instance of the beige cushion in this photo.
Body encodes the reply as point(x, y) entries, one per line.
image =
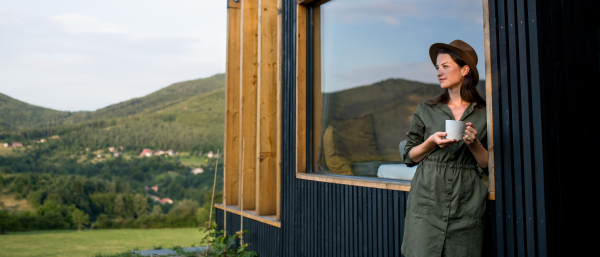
point(337, 163)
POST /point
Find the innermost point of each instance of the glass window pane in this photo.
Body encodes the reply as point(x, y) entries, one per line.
point(372, 69)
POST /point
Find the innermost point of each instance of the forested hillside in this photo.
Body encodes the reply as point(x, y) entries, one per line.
point(66, 169)
point(16, 115)
point(184, 116)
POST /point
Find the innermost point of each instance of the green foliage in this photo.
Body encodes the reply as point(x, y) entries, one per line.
point(80, 218)
point(15, 114)
point(140, 205)
point(156, 210)
point(7, 222)
point(219, 243)
point(119, 208)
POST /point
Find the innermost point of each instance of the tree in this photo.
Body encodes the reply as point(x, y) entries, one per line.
point(140, 205)
point(156, 210)
point(119, 206)
point(8, 222)
point(79, 217)
point(54, 197)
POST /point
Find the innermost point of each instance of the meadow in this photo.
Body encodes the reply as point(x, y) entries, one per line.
point(66, 243)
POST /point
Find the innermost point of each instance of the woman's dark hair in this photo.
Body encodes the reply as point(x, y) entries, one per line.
point(468, 90)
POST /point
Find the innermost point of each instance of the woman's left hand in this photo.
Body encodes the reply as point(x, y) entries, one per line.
point(471, 134)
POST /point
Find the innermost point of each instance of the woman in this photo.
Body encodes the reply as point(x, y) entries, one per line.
point(446, 203)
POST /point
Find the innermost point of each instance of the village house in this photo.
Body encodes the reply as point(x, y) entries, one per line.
point(166, 200)
point(210, 154)
point(116, 154)
point(146, 152)
point(197, 171)
point(17, 144)
point(155, 188)
point(159, 152)
point(5, 144)
point(111, 149)
point(171, 152)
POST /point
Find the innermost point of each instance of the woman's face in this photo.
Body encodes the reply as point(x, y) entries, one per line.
point(448, 72)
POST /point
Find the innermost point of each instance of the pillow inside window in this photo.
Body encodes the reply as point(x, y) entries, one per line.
point(355, 139)
point(336, 162)
point(348, 141)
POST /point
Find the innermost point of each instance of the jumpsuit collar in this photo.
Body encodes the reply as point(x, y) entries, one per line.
point(467, 112)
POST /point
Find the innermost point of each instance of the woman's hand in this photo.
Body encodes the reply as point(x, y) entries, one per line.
point(438, 139)
point(418, 153)
point(471, 134)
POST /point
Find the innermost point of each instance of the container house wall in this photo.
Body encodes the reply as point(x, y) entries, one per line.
point(532, 48)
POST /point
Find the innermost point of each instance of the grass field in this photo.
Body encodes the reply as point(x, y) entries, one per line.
point(91, 242)
point(4, 151)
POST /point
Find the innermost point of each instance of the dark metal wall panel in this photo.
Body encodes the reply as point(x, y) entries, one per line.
point(544, 57)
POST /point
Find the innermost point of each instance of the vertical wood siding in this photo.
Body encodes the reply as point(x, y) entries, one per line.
point(533, 50)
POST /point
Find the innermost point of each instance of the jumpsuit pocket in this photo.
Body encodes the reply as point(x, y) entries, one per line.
point(420, 196)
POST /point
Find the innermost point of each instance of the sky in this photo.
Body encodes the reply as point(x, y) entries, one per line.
point(369, 41)
point(75, 55)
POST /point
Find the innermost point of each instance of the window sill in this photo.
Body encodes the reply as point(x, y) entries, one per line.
point(365, 182)
point(270, 219)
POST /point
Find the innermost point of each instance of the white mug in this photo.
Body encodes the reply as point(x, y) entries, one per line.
point(455, 129)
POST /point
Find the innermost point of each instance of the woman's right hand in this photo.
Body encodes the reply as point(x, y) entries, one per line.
point(438, 139)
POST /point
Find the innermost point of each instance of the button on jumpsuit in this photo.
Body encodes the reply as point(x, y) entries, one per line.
point(446, 203)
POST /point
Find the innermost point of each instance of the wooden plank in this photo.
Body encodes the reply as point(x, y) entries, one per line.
point(316, 90)
point(301, 24)
point(248, 99)
point(343, 216)
point(366, 242)
point(397, 226)
point(378, 222)
point(497, 114)
point(515, 129)
point(267, 109)
point(354, 221)
point(488, 93)
point(232, 98)
point(279, 106)
point(271, 219)
point(508, 213)
point(528, 194)
point(383, 222)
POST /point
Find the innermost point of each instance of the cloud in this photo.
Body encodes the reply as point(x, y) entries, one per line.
point(77, 23)
point(80, 61)
point(394, 12)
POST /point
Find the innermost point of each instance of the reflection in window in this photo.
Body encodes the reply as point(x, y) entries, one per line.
point(371, 70)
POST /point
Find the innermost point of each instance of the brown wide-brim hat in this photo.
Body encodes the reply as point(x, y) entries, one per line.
point(464, 50)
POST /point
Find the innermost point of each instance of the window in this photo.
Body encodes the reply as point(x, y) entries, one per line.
point(367, 69)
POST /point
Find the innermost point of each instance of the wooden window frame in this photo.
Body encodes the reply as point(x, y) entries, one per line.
point(252, 176)
point(302, 133)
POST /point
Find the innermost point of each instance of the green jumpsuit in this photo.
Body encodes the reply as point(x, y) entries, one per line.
point(446, 203)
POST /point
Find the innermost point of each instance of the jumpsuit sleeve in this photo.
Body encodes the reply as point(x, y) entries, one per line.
point(414, 137)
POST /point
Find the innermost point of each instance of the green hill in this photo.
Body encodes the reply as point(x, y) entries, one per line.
point(15, 115)
point(161, 99)
point(183, 116)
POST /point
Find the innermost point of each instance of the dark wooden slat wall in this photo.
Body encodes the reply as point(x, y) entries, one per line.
point(543, 52)
point(569, 67)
